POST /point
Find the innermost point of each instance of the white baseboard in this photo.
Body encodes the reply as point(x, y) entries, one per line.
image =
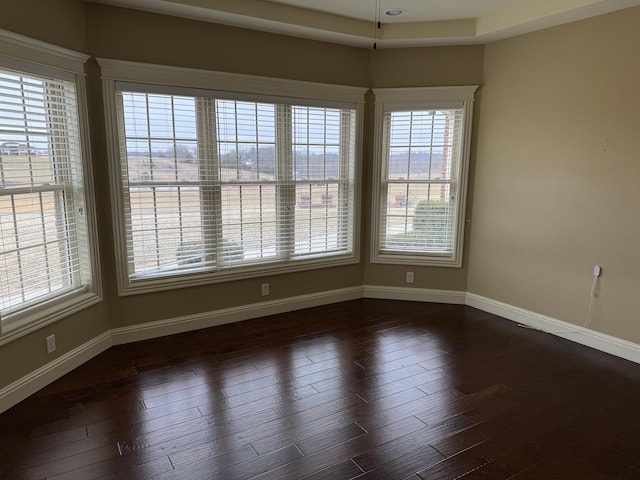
point(22, 388)
point(584, 336)
point(187, 323)
point(454, 297)
point(29, 384)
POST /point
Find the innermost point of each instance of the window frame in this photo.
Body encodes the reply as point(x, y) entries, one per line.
point(178, 80)
point(418, 99)
point(34, 57)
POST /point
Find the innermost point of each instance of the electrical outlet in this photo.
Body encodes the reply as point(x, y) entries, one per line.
point(51, 343)
point(409, 277)
point(265, 289)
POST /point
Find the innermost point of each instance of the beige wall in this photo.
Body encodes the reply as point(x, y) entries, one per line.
point(61, 22)
point(138, 36)
point(557, 183)
point(413, 67)
point(427, 66)
point(28, 353)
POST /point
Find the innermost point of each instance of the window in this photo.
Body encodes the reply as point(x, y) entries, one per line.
point(217, 185)
point(422, 151)
point(46, 262)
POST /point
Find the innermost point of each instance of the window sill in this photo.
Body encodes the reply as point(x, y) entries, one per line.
point(39, 317)
point(424, 260)
point(171, 282)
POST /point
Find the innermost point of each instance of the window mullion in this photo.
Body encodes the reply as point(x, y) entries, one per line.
point(47, 266)
point(126, 185)
point(179, 193)
point(154, 188)
point(384, 177)
point(285, 185)
point(344, 194)
point(451, 148)
point(326, 185)
point(410, 145)
point(210, 189)
point(16, 234)
point(432, 135)
point(60, 155)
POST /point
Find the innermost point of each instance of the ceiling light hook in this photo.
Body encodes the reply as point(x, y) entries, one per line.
point(377, 24)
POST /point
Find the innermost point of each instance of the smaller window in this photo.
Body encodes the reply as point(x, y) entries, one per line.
point(422, 152)
point(47, 261)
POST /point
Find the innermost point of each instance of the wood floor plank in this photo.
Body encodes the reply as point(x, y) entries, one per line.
point(461, 441)
point(366, 389)
point(66, 463)
point(394, 449)
point(320, 441)
point(454, 467)
point(373, 379)
point(629, 473)
point(145, 421)
point(236, 466)
point(187, 459)
point(119, 468)
point(405, 465)
point(345, 469)
point(311, 464)
point(298, 428)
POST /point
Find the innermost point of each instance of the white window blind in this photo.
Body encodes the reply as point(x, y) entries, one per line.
point(421, 171)
point(214, 185)
point(44, 250)
point(419, 208)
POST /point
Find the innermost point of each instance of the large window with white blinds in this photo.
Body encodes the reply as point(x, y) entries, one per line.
point(45, 247)
point(422, 151)
point(218, 185)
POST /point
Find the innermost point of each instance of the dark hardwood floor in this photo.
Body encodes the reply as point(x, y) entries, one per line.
point(368, 389)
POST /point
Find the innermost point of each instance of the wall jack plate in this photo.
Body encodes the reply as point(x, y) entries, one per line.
point(51, 343)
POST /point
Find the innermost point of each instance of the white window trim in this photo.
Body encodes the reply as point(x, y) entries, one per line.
point(41, 58)
point(421, 97)
point(124, 71)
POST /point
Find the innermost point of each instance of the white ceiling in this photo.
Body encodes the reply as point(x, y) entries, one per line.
point(352, 22)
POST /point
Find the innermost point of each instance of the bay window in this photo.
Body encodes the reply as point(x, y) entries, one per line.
point(215, 184)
